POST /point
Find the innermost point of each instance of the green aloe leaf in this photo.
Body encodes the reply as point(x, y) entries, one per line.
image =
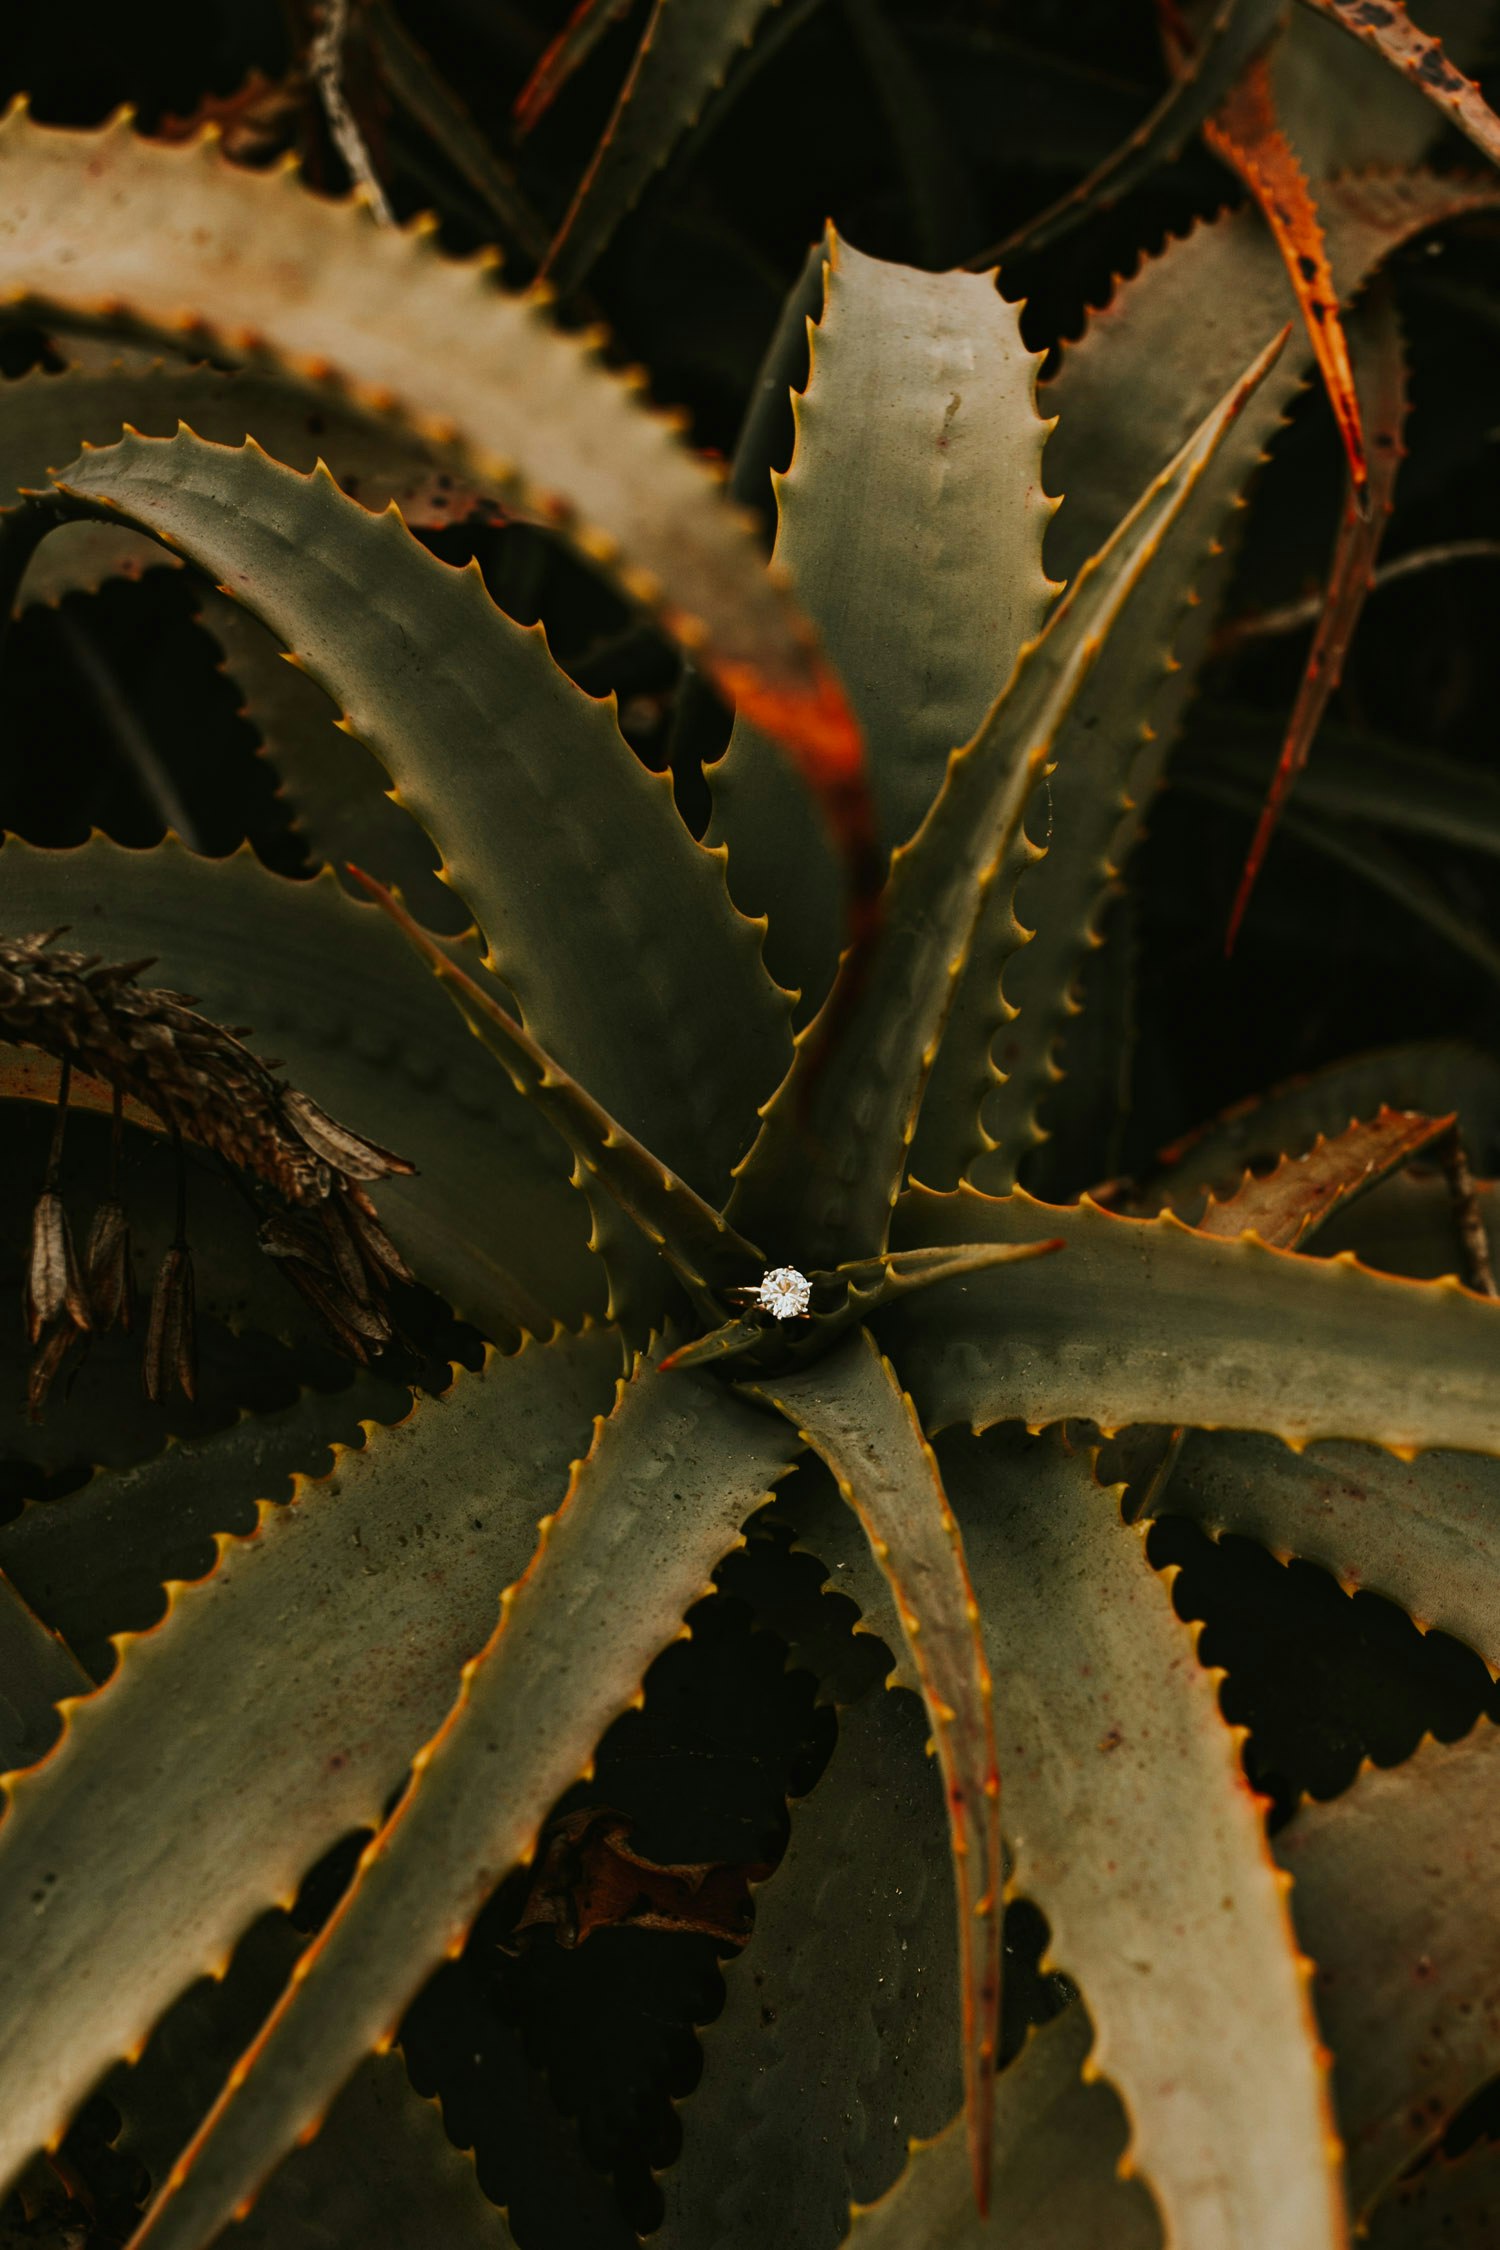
point(98, 1561)
point(1285, 1206)
point(337, 794)
point(701, 1248)
point(372, 1588)
point(686, 51)
point(853, 1413)
point(839, 2035)
point(38, 1671)
point(1147, 1321)
point(1393, 1890)
point(1126, 395)
point(490, 1219)
point(1059, 2140)
point(672, 1475)
point(173, 241)
point(1425, 1533)
point(46, 420)
point(919, 412)
point(919, 409)
point(1344, 109)
point(1410, 1225)
point(832, 1143)
point(1110, 1740)
point(545, 819)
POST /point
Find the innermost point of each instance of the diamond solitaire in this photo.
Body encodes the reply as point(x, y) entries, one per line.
point(784, 1292)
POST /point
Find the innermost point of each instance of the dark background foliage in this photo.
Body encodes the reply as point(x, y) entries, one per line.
point(926, 128)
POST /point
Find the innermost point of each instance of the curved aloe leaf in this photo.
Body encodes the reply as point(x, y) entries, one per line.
point(38, 1671)
point(99, 1561)
point(672, 1475)
point(911, 520)
point(1424, 1533)
point(1386, 26)
point(1285, 1206)
point(1144, 1320)
point(173, 241)
point(1238, 30)
point(1394, 1886)
point(853, 1413)
point(833, 1140)
point(47, 419)
point(1060, 2137)
point(1412, 1226)
point(490, 1219)
point(337, 794)
point(544, 817)
point(390, 1570)
point(685, 52)
point(707, 1253)
point(839, 2035)
point(1343, 106)
point(1110, 1739)
point(1434, 1076)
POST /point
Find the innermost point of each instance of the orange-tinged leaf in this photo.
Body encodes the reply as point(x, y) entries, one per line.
point(1350, 577)
point(1246, 136)
point(1386, 26)
point(1283, 1207)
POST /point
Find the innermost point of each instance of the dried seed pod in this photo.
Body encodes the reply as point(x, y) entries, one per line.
point(54, 1286)
point(45, 1367)
point(346, 1151)
point(171, 1342)
point(107, 1268)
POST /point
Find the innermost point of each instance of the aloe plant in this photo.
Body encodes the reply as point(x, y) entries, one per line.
point(720, 1142)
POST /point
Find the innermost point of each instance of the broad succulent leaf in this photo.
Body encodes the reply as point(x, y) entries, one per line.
point(672, 1475)
point(1095, 1676)
point(919, 412)
point(1148, 1321)
point(852, 1412)
point(686, 50)
point(177, 242)
point(336, 792)
point(254, 1786)
point(490, 1218)
point(100, 1561)
point(38, 1671)
point(543, 816)
point(1393, 1892)
point(832, 1144)
point(838, 2037)
point(1060, 2138)
point(1424, 1533)
point(1345, 108)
